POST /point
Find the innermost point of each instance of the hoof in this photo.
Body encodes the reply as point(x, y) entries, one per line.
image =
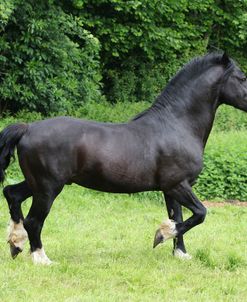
point(14, 251)
point(39, 257)
point(166, 231)
point(158, 238)
point(16, 237)
point(181, 255)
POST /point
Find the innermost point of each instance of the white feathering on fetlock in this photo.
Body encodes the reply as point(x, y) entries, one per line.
point(16, 234)
point(168, 229)
point(181, 255)
point(39, 257)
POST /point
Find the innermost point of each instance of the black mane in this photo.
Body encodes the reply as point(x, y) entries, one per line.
point(195, 67)
point(187, 73)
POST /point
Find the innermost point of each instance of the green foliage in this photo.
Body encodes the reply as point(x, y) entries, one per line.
point(105, 112)
point(145, 42)
point(224, 174)
point(228, 118)
point(6, 9)
point(229, 22)
point(49, 62)
point(57, 55)
point(138, 81)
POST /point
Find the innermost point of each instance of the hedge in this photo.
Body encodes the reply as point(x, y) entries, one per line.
point(224, 174)
point(55, 55)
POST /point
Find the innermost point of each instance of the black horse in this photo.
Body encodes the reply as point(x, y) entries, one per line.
point(160, 149)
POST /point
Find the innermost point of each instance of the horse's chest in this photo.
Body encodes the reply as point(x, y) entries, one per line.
point(175, 167)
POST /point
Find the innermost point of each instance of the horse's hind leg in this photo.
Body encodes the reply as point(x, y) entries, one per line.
point(33, 223)
point(174, 210)
point(17, 235)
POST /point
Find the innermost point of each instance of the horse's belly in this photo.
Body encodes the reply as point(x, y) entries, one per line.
point(115, 188)
point(115, 182)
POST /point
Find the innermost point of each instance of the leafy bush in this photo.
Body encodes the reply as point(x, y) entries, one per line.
point(49, 62)
point(224, 174)
point(143, 43)
point(229, 118)
point(106, 112)
point(54, 54)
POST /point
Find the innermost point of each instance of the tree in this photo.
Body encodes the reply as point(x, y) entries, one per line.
point(49, 62)
point(55, 55)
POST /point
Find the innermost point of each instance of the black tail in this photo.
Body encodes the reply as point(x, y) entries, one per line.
point(9, 138)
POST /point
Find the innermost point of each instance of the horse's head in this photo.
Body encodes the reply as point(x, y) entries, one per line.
point(234, 87)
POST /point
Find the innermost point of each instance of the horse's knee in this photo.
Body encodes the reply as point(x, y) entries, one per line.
point(16, 193)
point(6, 193)
point(11, 195)
point(201, 214)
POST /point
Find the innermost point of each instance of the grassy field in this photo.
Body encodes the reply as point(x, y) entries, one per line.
point(102, 245)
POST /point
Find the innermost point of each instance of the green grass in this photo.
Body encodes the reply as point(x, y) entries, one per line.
point(102, 244)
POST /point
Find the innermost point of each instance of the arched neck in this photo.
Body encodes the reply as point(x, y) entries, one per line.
point(191, 106)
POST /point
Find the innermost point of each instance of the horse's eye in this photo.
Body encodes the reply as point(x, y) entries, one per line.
point(243, 79)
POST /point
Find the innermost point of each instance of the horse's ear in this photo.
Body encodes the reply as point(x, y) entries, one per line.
point(225, 60)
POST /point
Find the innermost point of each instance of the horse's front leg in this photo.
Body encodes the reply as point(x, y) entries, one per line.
point(184, 196)
point(174, 210)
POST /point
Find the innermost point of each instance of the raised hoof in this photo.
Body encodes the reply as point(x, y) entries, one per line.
point(16, 237)
point(158, 238)
point(14, 251)
point(166, 231)
point(181, 255)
